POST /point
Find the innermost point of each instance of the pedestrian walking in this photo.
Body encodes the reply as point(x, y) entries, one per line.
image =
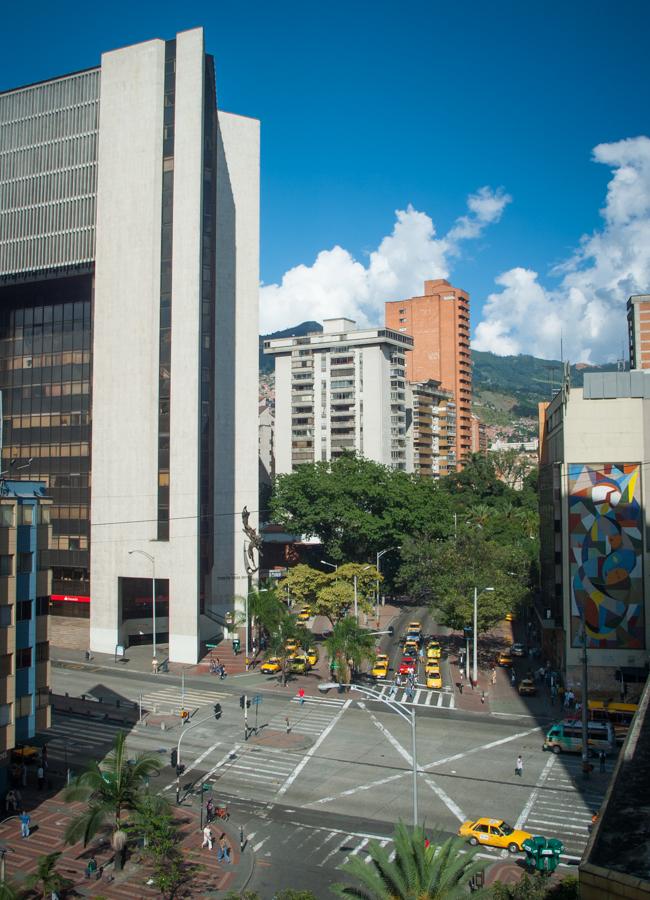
point(207, 838)
point(11, 802)
point(40, 777)
point(288, 724)
point(519, 766)
point(209, 810)
point(301, 695)
point(224, 849)
point(602, 758)
point(493, 675)
point(154, 665)
point(460, 685)
point(513, 677)
point(25, 819)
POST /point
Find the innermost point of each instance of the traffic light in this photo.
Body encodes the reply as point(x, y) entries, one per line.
point(217, 710)
point(173, 758)
point(242, 700)
point(180, 769)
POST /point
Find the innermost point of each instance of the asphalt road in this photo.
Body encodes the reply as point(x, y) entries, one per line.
point(342, 773)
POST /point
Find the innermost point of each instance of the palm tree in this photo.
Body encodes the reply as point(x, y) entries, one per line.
point(46, 880)
point(349, 645)
point(109, 790)
point(265, 609)
point(439, 871)
point(286, 629)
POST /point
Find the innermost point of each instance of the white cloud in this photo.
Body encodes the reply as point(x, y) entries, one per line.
point(587, 307)
point(336, 284)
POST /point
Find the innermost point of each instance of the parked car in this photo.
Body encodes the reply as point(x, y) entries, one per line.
point(271, 666)
point(518, 650)
point(527, 687)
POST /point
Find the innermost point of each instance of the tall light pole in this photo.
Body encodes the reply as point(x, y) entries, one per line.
point(406, 713)
point(474, 651)
point(356, 594)
point(379, 556)
point(153, 590)
point(250, 593)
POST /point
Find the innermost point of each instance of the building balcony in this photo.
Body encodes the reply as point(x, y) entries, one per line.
point(8, 689)
point(7, 640)
point(7, 738)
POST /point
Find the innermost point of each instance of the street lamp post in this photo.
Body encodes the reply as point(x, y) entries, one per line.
point(406, 713)
point(260, 591)
point(379, 556)
point(153, 590)
point(324, 562)
point(475, 648)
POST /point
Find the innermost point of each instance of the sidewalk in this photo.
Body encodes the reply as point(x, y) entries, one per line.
point(207, 877)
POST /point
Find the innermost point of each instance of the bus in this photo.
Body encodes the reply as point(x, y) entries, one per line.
point(619, 714)
point(567, 736)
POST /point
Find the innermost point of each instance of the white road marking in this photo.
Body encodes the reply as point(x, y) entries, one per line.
point(308, 755)
point(446, 799)
point(523, 816)
point(199, 759)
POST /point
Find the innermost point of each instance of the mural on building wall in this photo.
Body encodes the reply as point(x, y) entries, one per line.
point(606, 555)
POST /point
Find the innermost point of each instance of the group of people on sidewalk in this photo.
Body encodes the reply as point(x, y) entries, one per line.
point(224, 850)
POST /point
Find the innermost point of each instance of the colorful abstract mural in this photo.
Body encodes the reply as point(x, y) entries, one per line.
point(606, 555)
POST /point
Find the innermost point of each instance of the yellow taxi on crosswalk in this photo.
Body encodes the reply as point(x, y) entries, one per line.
point(494, 833)
point(434, 680)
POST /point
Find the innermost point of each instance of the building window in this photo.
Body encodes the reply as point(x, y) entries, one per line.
point(5, 714)
point(6, 665)
point(6, 616)
point(42, 651)
point(70, 609)
point(24, 658)
point(7, 515)
point(26, 515)
point(25, 563)
point(23, 610)
point(42, 606)
point(42, 698)
point(6, 564)
point(24, 705)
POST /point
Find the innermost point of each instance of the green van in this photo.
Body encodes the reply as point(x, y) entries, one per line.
point(566, 736)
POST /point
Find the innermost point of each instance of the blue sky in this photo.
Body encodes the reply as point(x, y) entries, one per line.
point(367, 107)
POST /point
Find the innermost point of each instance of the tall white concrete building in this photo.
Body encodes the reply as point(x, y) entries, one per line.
point(129, 219)
point(340, 390)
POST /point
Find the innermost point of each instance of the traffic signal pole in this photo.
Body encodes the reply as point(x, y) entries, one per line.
point(179, 766)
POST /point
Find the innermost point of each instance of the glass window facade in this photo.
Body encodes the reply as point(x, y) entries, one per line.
point(45, 372)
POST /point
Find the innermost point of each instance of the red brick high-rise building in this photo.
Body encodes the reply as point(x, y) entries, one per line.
point(438, 322)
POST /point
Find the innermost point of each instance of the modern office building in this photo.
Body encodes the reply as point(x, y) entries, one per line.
point(431, 432)
point(342, 389)
point(594, 550)
point(438, 322)
point(638, 323)
point(129, 218)
point(25, 590)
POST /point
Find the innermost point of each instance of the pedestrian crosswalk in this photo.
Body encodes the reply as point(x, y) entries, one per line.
point(564, 803)
point(419, 697)
point(317, 847)
point(172, 699)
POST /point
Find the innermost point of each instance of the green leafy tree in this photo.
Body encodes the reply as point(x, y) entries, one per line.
point(303, 583)
point(334, 601)
point(445, 575)
point(265, 609)
point(477, 479)
point(441, 871)
point(46, 880)
point(110, 790)
point(348, 647)
point(358, 507)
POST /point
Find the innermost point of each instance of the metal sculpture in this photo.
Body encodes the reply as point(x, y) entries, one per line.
point(254, 544)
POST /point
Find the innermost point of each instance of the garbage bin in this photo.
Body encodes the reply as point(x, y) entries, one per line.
point(236, 645)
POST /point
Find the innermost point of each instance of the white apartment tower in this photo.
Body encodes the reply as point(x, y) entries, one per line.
point(340, 390)
point(129, 218)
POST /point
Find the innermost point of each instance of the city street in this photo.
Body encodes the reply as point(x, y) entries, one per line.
point(339, 772)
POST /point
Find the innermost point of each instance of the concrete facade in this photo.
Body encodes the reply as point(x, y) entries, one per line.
point(342, 390)
point(173, 278)
point(581, 430)
point(439, 324)
point(638, 323)
point(431, 432)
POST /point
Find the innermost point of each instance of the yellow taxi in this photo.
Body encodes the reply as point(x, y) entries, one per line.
point(312, 656)
point(271, 666)
point(434, 650)
point(432, 667)
point(380, 667)
point(504, 659)
point(414, 628)
point(305, 614)
point(299, 664)
point(291, 647)
point(494, 833)
point(24, 753)
point(411, 648)
point(434, 680)
point(510, 617)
